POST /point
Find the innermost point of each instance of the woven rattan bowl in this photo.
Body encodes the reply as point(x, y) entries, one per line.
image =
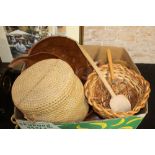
point(50, 91)
point(126, 82)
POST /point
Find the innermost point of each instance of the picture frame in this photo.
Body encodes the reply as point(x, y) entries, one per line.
point(21, 38)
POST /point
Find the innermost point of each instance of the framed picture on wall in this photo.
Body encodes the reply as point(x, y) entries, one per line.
point(22, 38)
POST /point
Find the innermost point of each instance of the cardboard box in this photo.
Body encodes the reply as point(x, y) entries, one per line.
point(98, 53)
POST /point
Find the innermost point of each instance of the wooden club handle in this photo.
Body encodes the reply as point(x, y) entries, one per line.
point(106, 84)
point(110, 64)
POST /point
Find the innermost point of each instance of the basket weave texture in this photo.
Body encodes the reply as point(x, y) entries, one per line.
point(50, 91)
point(126, 82)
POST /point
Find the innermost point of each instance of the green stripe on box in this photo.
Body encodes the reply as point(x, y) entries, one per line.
point(130, 122)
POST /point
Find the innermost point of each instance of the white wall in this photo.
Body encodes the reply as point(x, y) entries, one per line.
point(139, 41)
point(5, 52)
point(73, 32)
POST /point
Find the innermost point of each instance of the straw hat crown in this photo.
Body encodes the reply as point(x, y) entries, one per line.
point(45, 89)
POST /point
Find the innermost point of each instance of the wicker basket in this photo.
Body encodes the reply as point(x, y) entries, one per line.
point(126, 82)
point(50, 91)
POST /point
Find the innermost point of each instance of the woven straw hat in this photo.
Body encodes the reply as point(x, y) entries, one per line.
point(50, 91)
